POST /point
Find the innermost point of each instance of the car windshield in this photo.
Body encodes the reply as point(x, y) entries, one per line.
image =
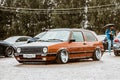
point(40, 35)
point(101, 37)
point(55, 36)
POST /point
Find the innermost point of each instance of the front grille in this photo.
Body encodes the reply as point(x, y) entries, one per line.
point(31, 50)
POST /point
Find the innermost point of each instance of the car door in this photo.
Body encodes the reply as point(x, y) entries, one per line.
point(90, 40)
point(77, 48)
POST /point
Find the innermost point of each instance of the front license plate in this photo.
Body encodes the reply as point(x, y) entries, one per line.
point(29, 55)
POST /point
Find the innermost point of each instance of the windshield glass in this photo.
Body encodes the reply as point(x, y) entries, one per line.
point(40, 35)
point(55, 36)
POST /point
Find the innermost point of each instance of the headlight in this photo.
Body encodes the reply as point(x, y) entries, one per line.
point(45, 50)
point(18, 50)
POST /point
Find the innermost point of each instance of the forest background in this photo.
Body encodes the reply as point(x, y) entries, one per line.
point(30, 17)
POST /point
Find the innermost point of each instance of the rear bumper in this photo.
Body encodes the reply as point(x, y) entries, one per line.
point(38, 58)
point(116, 49)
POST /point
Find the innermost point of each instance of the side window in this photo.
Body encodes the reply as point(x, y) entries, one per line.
point(89, 36)
point(77, 36)
point(22, 39)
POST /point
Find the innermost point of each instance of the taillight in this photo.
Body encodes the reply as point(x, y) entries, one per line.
point(116, 40)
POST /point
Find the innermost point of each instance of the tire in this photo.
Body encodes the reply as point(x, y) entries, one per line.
point(20, 61)
point(116, 54)
point(9, 51)
point(97, 55)
point(62, 57)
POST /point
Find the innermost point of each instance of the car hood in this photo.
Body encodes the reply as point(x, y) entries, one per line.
point(3, 42)
point(37, 44)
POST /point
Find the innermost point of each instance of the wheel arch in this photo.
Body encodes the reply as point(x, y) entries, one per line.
point(61, 50)
point(98, 47)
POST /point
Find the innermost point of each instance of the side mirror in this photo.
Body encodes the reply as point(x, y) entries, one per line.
point(30, 40)
point(72, 40)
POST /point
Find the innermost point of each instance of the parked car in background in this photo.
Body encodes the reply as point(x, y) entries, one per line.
point(60, 45)
point(104, 41)
point(116, 45)
point(38, 36)
point(7, 45)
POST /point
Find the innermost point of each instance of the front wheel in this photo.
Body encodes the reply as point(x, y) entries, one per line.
point(62, 57)
point(9, 51)
point(97, 55)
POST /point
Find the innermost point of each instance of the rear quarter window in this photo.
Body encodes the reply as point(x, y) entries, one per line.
point(90, 36)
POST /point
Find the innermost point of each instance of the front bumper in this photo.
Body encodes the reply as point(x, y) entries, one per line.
point(37, 58)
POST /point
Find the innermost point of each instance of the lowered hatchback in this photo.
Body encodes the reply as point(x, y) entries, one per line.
point(60, 45)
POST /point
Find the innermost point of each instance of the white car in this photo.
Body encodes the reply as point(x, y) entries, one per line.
point(116, 45)
point(17, 40)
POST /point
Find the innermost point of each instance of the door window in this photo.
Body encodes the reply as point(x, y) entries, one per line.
point(22, 39)
point(78, 36)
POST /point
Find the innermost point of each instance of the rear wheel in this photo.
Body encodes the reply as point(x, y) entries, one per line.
point(62, 57)
point(9, 51)
point(116, 54)
point(97, 55)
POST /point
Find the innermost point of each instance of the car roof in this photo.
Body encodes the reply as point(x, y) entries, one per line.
point(13, 38)
point(69, 29)
point(19, 36)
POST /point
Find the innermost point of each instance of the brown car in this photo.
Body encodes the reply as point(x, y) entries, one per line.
point(60, 45)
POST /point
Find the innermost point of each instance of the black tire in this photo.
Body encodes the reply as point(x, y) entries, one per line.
point(9, 51)
point(62, 57)
point(97, 55)
point(20, 61)
point(116, 54)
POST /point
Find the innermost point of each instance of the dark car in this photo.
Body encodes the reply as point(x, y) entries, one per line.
point(6, 49)
point(7, 46)
point(60, 45)
point(103, 38)
point(116, 45)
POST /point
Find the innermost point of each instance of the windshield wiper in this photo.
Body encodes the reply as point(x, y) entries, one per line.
point(42, 40)
point(56, 40)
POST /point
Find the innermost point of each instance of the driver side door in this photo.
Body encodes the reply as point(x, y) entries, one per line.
point(77, 48)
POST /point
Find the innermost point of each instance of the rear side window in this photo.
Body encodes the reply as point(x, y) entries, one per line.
point(90, 37)
point(22, 39)
point(77, 36)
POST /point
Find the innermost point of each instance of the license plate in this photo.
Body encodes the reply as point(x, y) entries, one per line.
point(29, 55)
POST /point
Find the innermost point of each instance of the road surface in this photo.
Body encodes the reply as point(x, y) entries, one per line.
point(106, 69)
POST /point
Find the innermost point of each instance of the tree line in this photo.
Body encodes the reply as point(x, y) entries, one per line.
point(33, 22)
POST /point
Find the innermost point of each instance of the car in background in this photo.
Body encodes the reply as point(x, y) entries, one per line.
point(7, 46)
point(116, 45)
point(60, 45)
point(38, 36)
point(104, 41)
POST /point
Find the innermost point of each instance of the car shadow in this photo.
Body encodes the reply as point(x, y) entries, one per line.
point(3, 57)
point(53, 64)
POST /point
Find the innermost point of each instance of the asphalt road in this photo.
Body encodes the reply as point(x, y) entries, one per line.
point(106, 69)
